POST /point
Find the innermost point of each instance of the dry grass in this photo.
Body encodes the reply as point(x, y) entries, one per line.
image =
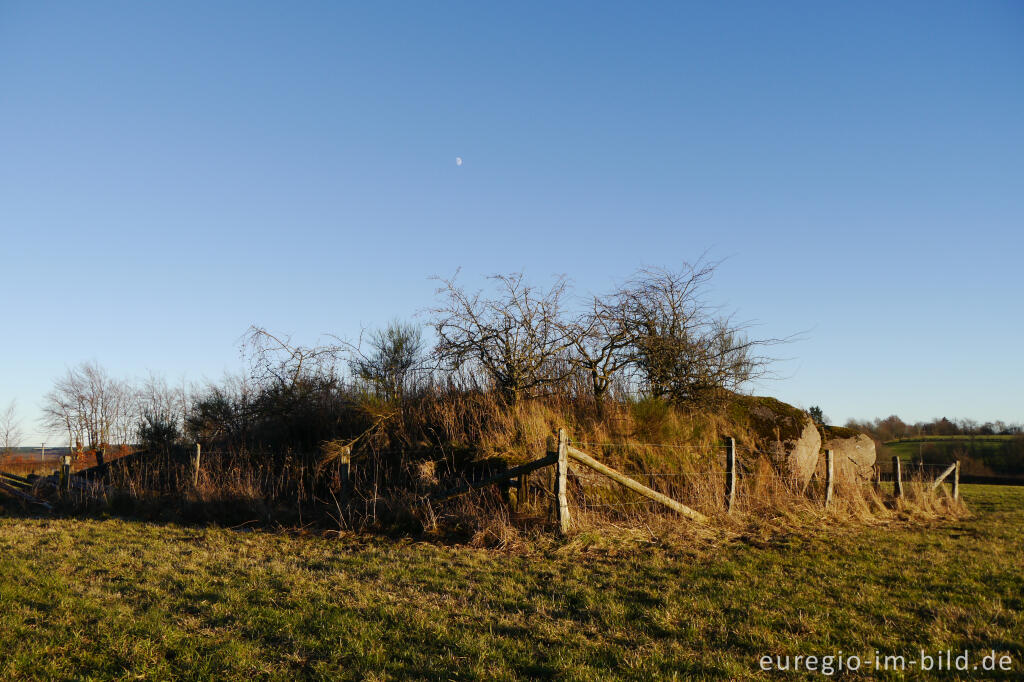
point(441, 440)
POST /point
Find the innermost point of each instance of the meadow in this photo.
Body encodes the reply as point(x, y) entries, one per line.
point(115, 598)
point(948, 447)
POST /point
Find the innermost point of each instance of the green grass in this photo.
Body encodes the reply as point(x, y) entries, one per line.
point(110, 598)
point(943, 448)
point(926, 439)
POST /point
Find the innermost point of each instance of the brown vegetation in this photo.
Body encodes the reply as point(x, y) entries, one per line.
point(644, 379)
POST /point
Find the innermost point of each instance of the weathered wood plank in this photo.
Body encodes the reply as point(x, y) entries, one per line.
point(956, 481)
point(195, 465)
point(730, 473)
point(897, 477)
point(938, 481)
point(497, 478)
point(18, 481)
point(11, 490)
point(639, 488)
point(561, 472)
point(830, 475)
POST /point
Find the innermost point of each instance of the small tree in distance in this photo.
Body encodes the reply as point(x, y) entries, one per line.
point(10, 429)
point(817, 415)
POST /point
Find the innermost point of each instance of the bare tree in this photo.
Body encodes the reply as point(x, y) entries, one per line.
point(91, 407)
point(395, 354)
point(682, 348)
point(602, 346)
point(274, 359)
point(162, 411)
point(11, 434)
point(516, 336)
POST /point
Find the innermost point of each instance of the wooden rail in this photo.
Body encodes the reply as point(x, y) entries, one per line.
point(938, 481)
point(639, 488)
point(497, 478)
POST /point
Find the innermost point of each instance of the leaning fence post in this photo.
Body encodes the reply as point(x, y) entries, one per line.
point(195, 465)
point(730, 473)
point(829, 476)
point(897, 479)
point(956, 481)
point(561, 471)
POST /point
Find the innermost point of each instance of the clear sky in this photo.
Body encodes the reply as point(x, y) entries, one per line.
point(171, 173)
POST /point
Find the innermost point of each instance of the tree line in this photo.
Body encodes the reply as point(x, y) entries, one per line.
point(893, 428)
point(654, 335)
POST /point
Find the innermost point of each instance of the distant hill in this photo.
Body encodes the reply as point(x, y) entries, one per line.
point(36, 451)
point(977, 454)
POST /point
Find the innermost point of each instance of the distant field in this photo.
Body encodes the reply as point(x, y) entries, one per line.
point(24, 466)
point(943, 448)
point(915, 439)
point(109, 598)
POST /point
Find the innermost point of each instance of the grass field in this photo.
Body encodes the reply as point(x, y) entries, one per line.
point(110, 598)
point(978, 447)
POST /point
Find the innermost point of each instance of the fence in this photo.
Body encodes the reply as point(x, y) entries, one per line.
point(899, 472)
point(718, 487)
point(571, 478)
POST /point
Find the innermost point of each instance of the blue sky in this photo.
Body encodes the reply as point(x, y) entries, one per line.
point(172, 173)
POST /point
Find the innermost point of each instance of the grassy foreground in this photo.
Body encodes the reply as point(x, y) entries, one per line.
point(110, 598)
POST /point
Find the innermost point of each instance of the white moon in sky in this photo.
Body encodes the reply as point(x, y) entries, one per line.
point(458, 160)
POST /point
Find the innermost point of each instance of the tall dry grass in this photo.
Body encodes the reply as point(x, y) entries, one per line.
point(403, 454)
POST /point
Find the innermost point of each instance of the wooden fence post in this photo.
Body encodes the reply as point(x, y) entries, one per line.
point(829, 476)
point(195, 465)
point(101, 463)
point(730, 473)
point(897, 478)
point(956, 481)
point(65, 474)
point(524, 490)
point(345, 473)
point(561, 472)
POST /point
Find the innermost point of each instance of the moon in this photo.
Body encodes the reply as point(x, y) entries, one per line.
point(458, 160)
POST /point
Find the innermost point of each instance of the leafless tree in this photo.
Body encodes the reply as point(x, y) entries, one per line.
point(11, 434)
point(515, 335)
point(91, 407)
point(602, 346)
point(274, 359)
point(162, 411)
point(682, 348)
